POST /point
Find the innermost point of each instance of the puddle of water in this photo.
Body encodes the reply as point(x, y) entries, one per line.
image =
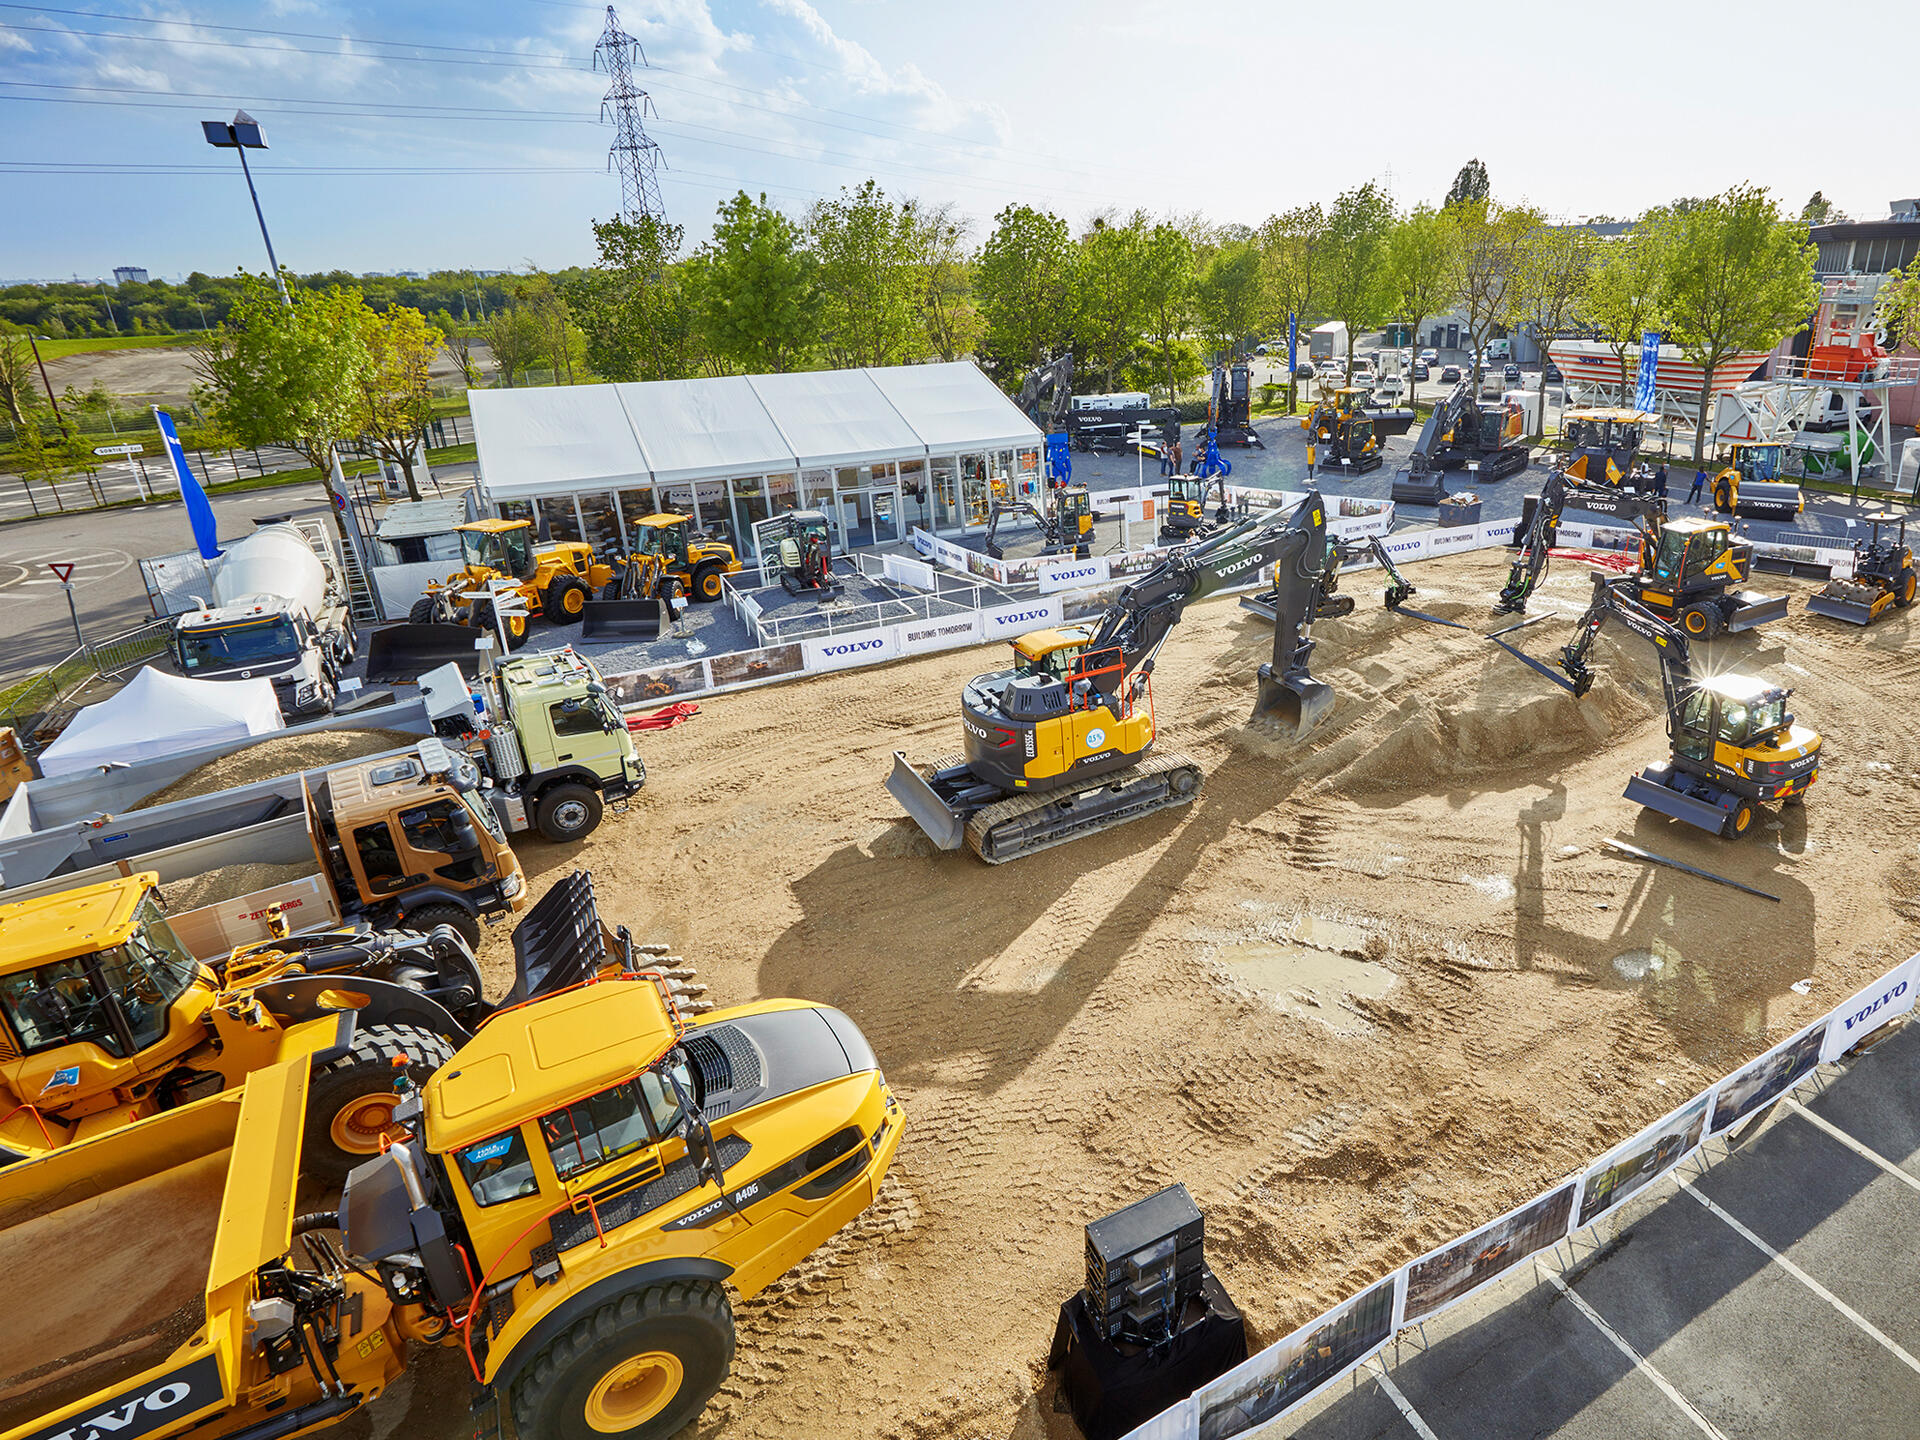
point(1319, 933)
point(1306, 981)
point(1494, 887)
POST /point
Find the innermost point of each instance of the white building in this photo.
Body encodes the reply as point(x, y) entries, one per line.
point(880, 450)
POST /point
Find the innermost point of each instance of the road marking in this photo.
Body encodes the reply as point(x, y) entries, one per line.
point(1852, 1144)
point(1640, 1362)
point(1405, 1406)
point(1865, 1325)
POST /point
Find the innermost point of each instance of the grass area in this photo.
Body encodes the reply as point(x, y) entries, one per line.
point(67, 673)
point(55, 349)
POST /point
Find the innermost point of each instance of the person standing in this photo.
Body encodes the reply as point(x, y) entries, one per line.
point(1179, 459)
point(1699, 484)
point(1660, 480)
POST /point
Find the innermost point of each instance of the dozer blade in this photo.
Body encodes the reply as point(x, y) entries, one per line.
point(406, 652)
point(1751, 609)
point(620, 620)
point(1839, 606)
point(1702, 814)
point(944, 825)
point(1260, 604)
point(1294, 702)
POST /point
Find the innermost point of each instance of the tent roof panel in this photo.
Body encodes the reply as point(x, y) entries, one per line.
point(704, 429)
point(836, 417)
point(955, 407)
point(555, 439)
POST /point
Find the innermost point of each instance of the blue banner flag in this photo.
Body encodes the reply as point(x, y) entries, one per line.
point(199, 509)
point(1293, 343)
point(1649, 364)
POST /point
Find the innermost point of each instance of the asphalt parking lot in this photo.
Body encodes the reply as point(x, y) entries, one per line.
point(1769, 1296)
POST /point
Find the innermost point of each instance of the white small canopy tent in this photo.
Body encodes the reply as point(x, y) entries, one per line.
point(160, 714)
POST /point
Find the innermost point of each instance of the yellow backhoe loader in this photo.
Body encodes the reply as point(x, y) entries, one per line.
point(552, 579)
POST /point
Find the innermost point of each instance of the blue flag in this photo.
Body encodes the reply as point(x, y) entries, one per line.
point(1293, 343)
point(1649, 363)
point(199, 509)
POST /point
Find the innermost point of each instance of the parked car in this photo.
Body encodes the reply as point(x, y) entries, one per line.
point(1450, 375)
point(1419, 369)
point(1432, 357)
point(1304, 370)
point(1260, 349)
point(1552, 372)
point(1511, 373)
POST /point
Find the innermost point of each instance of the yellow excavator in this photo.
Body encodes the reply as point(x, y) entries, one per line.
point(1057, 745)
point(1732, 743)
point(1601, 444)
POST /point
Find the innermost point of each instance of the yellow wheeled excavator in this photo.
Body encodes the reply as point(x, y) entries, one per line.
point(1057, 746)
point(1733, 744)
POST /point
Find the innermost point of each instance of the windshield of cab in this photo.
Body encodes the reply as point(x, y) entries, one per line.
point(262, 643)
point(69, 1001)
point(616, 1122)
point(1763, 462)
point(1673, 550)
point(1054, 665)
point(504, 550)
point(1766, 716)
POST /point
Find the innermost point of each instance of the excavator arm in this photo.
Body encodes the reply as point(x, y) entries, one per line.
point(1613, 601)
point(1647, 512)
point(1053, 383)
point(998, 509)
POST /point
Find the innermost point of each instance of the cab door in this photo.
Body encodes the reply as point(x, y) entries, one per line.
point(580, 737)
point(1694, 740)
point(439, 838)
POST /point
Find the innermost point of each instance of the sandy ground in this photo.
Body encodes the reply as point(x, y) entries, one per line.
point(268, 758)
point(1368, 992)
point(167, 372)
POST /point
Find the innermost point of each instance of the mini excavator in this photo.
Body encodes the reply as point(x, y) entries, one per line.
point(1057, 746)
point(1689, 568)
point(1066, 525)
point(1187, 497)
point(1732, 743)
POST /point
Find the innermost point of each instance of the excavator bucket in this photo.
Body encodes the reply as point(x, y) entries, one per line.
point(1844, 600)
point(944, 825)
point(622, 620)
point(398, 653)
point(1294, 702)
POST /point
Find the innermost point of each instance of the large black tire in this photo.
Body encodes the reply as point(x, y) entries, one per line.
point(1903, 589)
point(706, 581)
point(351, 1099)
point(1702, 621)
point(482, 619)
point(567, 812)
point(1738, 821)
point(565, 600)
point(639, 1367)
point(422, 612)
point(424, 917)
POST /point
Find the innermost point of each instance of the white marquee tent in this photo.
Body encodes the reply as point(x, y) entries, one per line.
point(160, 714)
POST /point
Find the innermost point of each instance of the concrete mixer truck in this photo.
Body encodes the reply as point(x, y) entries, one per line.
point(278, 610)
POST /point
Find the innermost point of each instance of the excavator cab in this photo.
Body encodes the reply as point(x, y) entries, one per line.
point(504, 547)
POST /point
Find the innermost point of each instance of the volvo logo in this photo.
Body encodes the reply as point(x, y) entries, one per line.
point(1894, 994)
point(1023, 615)
point(853, 647)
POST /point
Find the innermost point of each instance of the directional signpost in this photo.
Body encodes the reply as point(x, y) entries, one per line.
point(130, 449)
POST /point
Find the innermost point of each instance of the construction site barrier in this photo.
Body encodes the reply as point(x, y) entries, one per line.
point(1331, 1345)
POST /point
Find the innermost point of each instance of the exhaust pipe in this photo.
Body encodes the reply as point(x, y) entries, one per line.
point(1297, 703)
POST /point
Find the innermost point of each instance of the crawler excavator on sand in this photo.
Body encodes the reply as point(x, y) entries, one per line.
point(1460, 431)
point(1689, 568)
point(1732, 743)
point(1057, 746)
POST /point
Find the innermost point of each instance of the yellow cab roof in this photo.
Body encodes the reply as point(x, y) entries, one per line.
point(72, 922)
point(662, 521)
point(1036, 644)
point(528, 1061)
point(495, 527)
point(1695, 525)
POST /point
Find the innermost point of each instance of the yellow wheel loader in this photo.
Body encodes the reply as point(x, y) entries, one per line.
point(668, 549)
point(1057, 746)
point(571, 1203)
point(553, 579)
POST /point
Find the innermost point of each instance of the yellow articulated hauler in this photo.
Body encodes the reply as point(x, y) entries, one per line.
point(569, 1203)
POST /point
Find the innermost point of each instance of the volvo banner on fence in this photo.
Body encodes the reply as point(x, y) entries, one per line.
point(1004, 622)
point(1072, 574)
point(858, 647)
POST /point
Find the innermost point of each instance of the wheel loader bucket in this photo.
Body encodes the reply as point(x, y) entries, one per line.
point(944, 826)
point(1297, 703)
point(621, 620)
point(1843, 600)
point(406, 652)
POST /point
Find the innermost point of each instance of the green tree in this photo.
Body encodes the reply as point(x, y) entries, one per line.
point(1738, 277)
point(16, 375)
point(1290, 265)
point(516, 338)
point(560, 343)
point(1111, 300)
point(1228, 301)
point(1622, 299)
point(1896, 308)
point(759, 304)
point(1469, 184)
point(868, 311)
point(1024, 280)
point(1420, 272)
point(1166, 278)
point(280, 374)
point(1552, 286)
point(1489, 242)
point(1356, 274)
point(937, 237)
point(635, 305)
point(1821, 211)
point(457, 343)
point(396, 395)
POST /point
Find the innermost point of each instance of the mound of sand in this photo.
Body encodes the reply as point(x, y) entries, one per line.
point(210, 887)
point(268, 758)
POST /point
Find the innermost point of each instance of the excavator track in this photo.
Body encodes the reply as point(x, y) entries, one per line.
point(1024, 824)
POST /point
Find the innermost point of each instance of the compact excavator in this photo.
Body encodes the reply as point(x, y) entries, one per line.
point(1689, 568)
point(1732, 743)
point(1057, 745)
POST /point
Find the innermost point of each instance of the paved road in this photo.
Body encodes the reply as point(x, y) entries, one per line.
point(1771, 1298)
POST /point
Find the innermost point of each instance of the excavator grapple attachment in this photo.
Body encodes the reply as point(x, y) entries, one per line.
point(1296, 703)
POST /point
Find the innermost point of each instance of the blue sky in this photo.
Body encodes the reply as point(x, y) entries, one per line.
point(431, 135)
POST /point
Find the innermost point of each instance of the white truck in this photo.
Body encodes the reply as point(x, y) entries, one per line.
point(1329, 342)
point(278, 610)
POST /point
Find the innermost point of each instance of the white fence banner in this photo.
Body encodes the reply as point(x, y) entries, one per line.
point(914, 574)
point(1447, 541)
point(1071, 574)
point(1497, 532)
point(943, 632)
point(1005, 621)
point(958, 558)
point(1404, 548)
point(861, 647)
point(1888, 998)
point(401, 585)
point(1564, 535)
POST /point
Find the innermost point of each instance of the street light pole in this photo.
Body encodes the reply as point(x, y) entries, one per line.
point(243, 133)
